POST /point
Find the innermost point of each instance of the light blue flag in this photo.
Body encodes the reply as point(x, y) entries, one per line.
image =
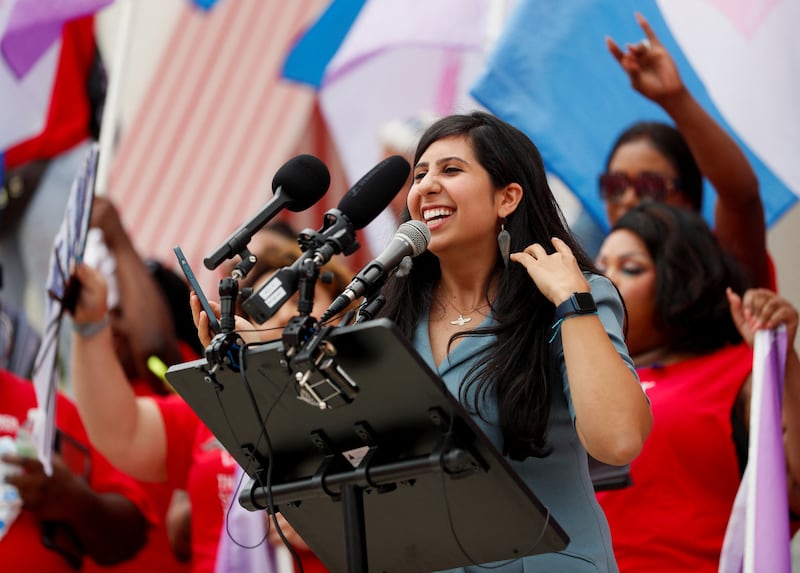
point(552, 76)
point(313, 52)
point(205, 4)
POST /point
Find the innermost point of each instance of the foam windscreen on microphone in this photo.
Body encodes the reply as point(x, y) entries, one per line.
point(305, 179)
point(374, 191)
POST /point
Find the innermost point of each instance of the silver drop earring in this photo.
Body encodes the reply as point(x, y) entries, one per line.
point(504, 242)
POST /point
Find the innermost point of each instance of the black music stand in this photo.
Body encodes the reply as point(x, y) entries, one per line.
point(416, 483)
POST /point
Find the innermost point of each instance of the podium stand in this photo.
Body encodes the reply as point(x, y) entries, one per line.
point(400, 479)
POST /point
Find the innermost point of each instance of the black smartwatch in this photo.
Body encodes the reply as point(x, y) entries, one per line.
point(577, 303)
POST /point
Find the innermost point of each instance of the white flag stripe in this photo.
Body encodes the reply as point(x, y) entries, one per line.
point(176, 143)
point(761, 348)
point(138, 158)
point(216, 124)
point(203, 122)
point(751, 70)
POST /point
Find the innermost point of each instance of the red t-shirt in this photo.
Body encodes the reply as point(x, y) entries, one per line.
point(197, 463)
point(68, 115)
point(21, 549)
point(157, 555)
point(674, 516)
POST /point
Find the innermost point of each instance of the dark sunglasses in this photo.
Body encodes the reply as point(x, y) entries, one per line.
point(648, 185)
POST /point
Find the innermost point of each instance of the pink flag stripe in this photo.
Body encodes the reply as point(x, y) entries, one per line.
point(216, 124)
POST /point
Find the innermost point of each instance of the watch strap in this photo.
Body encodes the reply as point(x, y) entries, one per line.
point(577, 303)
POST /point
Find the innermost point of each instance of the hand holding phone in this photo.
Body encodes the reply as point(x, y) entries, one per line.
point(189, 274)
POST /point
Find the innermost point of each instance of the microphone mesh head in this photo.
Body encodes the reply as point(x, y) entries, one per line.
point(417, 234)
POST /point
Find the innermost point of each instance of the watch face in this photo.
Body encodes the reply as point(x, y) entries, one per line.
point(584, 302)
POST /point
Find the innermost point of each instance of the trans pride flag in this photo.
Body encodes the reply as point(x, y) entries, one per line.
point(377, 61)
point(30, 31)
point(757, 538)
point(552, 76)
point(35, 25)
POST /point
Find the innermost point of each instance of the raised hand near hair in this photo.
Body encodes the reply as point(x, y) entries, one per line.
point(649, 66)
point(557, 274)
point(761, 308)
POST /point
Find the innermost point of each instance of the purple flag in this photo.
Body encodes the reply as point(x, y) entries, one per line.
point(758, 538)
point(35, 24)
point(243, 545)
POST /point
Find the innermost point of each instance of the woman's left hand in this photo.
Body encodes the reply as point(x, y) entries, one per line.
point(557, 274)
point(761, 308)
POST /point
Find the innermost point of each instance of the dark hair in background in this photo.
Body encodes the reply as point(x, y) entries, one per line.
point(282, 228)
point(516, 367)
point(670, 143)
point(692, 274)
point(334, 276)
point(176, 292)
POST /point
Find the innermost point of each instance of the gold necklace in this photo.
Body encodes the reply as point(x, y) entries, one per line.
point(461, 320)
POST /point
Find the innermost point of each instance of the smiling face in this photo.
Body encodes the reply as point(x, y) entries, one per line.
point(625, 260)
point(453, 194)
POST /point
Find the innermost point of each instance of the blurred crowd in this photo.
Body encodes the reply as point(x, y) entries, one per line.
point(140, 483)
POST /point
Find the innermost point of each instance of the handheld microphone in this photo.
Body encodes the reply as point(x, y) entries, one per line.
point(360, 205)
point(301, 182)
point(411, 239)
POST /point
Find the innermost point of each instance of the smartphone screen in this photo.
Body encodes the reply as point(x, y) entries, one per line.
point(189, 274)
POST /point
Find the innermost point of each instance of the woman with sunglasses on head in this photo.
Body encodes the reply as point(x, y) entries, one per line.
point(691, 323)
point(532, 345)
point(655, 161)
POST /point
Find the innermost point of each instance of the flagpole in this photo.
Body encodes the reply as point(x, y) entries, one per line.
point(108, 125)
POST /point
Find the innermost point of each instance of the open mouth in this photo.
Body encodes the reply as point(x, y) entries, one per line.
point(437, 214)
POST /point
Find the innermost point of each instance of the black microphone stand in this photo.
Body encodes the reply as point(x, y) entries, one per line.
point(223, 350)
point(371, 306)
point(302, 327)
point(321, 382)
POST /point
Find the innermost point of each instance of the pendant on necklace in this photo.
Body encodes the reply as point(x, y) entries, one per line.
point(461, 321)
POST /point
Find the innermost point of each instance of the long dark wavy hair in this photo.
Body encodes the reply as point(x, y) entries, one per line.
point(692, 273)
point(669, 142)
point(516, 369)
